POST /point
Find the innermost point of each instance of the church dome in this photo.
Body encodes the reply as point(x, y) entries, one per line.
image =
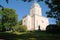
point(35, 9)
point(35, 5)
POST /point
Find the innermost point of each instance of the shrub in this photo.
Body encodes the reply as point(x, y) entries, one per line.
point(52, 28)
point(20, 28)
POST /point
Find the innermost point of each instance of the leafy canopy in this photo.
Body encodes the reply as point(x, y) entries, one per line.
point(8, 17)
point(54, 12)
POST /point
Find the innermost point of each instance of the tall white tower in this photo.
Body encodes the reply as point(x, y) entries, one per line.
point(35, 9)
point(35, 13)
point(38, 21)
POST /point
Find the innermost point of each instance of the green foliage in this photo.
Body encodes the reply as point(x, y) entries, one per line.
point(53, 28)
point(54, 12)
point(8, 17)
point(20, 22)
point(20, 28)
point(29, 36)
point(6, 25)
point(0, 26)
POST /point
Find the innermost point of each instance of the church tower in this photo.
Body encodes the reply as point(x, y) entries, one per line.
point(35, 13)
point(35, 9)
point(38, 21)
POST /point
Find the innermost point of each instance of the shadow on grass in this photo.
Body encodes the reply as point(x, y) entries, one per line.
point(35, 35)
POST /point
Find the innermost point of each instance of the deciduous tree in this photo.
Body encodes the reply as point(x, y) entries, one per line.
point(8, 18)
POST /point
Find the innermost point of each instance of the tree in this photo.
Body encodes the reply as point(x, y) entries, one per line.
point(53, 28)
point(20, 22)
point(54, 12)
point(19, 27)
point(8, 18)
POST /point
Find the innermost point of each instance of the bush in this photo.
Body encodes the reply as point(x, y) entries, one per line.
point(20, 28)
point(52, 28)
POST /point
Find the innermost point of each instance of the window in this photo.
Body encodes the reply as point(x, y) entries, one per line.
point(42, 21)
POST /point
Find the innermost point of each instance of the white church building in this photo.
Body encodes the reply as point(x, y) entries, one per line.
point(35, 20)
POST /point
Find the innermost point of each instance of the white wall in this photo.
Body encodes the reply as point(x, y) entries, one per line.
point(27, 22)
point(41, 21)
point(35, 21)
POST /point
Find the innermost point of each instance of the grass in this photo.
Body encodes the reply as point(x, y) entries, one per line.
point(35, 35)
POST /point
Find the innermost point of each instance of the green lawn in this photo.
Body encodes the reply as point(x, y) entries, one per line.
point(29, 36)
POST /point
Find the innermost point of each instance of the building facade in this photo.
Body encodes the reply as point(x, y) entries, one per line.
point(35, 20)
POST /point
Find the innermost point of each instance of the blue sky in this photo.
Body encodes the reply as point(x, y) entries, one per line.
point(23, 8)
